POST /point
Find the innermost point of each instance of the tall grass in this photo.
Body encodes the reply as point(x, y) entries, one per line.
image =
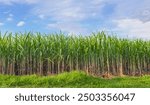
point(35, 53)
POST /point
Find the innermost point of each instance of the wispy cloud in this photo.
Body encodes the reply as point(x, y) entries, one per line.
point(84, 16)
point(103, 12)
point(11, 15)
point(1, 24)
point(134, 28)
point(66, 10)
point(41, 16)
point(10, 2)
point(21, 23)
point(68, 15)
point(70, 28)
point(9, 19)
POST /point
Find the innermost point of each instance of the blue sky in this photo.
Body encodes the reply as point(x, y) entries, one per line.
point(126, 18)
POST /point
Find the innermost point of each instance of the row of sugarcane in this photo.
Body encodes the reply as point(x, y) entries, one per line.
point(48, 54)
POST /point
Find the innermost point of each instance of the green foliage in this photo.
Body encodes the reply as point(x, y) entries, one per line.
point(74, 79)
point(97, 54)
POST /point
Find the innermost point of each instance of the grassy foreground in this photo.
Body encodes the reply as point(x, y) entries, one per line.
point(73, 79)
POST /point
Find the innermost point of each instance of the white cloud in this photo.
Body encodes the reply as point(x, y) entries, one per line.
point(71, 28)
point(10, 15)
point(30, 1)
point(69, 10)
point(134, 28)
point(10, 2)
point(138, 9)
point(41, 16)
point(74, 15)
point(1, 24)
point(73, 12)
point(9, 19)
point(21, 23)
point(68, 14)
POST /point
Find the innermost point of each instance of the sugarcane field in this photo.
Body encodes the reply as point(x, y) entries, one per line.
point(98, 55)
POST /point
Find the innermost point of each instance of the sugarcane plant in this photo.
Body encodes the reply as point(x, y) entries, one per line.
point(47, 54)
